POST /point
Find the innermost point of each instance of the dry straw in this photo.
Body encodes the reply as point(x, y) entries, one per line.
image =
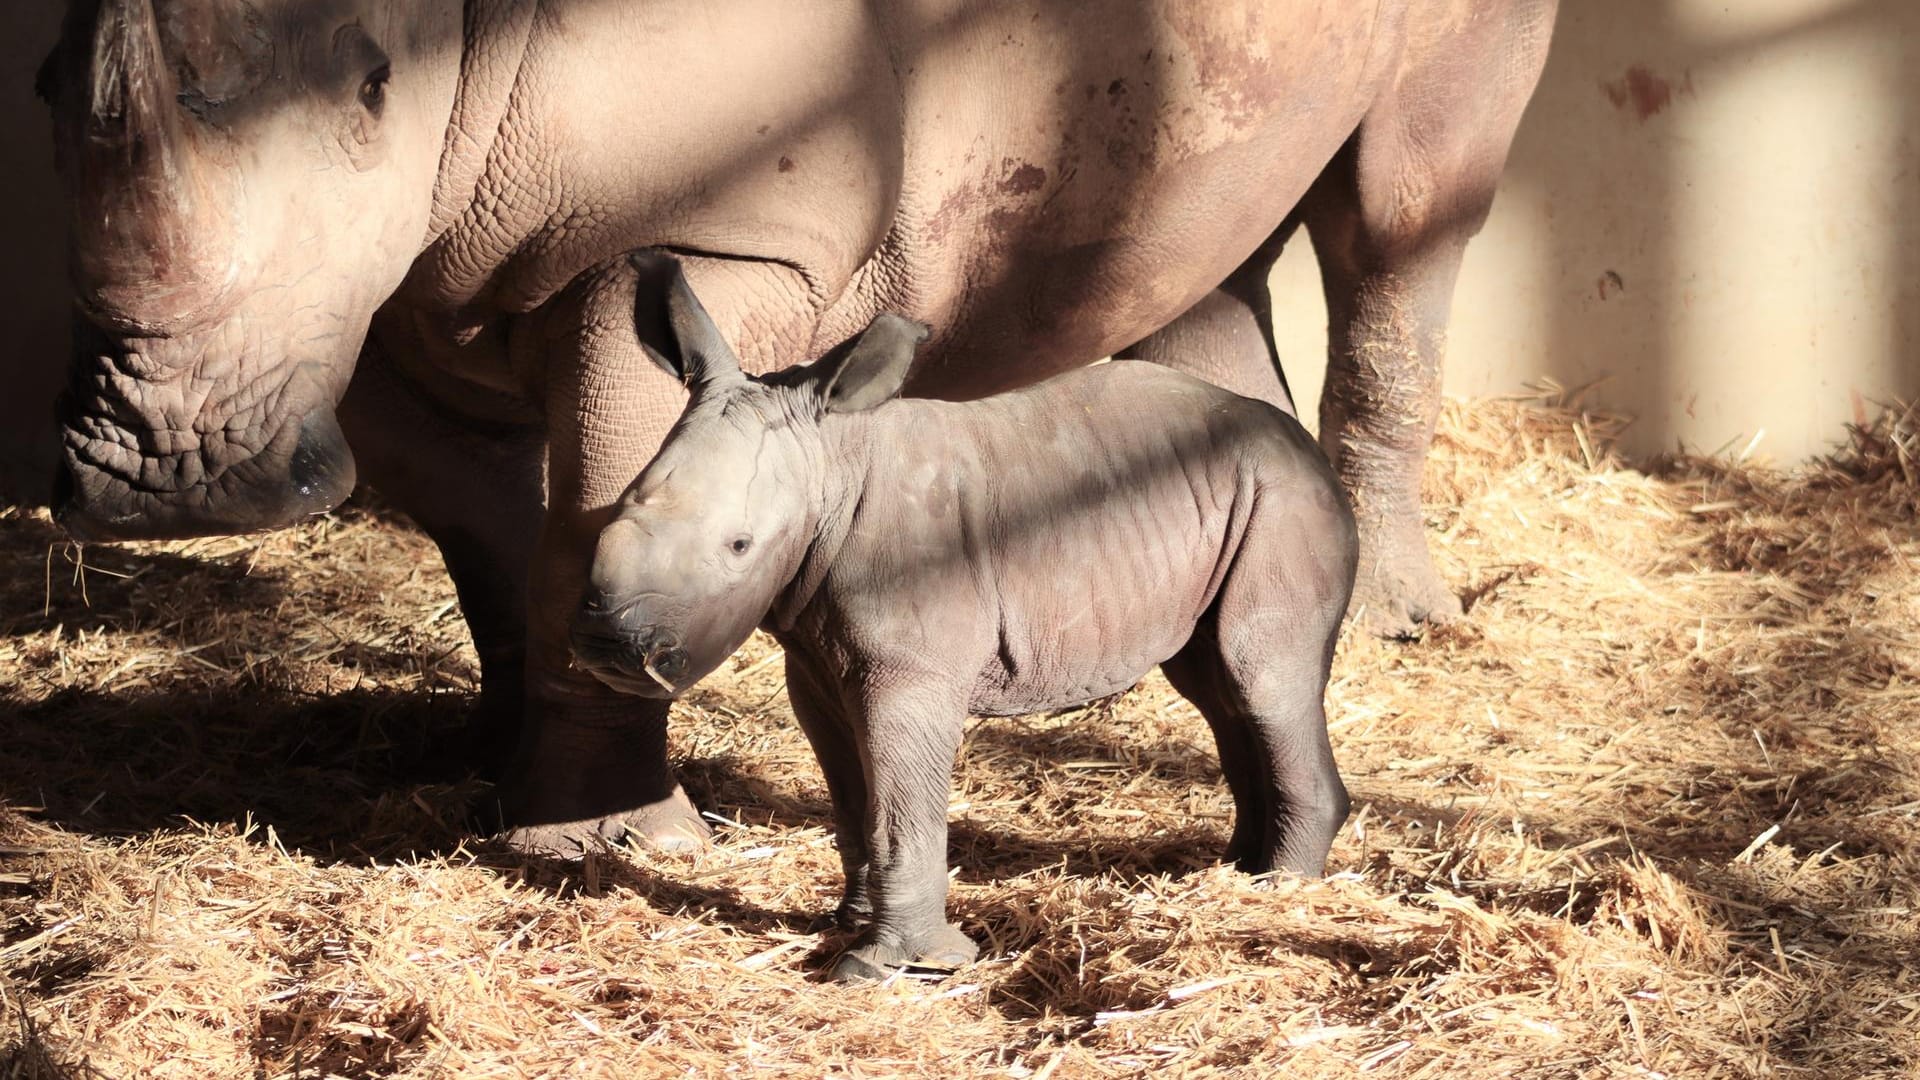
point(1650, 811)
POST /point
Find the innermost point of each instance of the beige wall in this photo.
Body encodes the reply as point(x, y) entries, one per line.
point(1748, 173)
point(1762, 220)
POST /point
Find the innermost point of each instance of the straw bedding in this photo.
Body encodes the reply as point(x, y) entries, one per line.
point(1653, 809)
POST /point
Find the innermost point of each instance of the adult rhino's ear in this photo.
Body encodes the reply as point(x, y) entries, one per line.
point(675, 330)
point(872, 368)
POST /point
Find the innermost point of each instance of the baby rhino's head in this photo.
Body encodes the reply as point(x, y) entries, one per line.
point(719, 522)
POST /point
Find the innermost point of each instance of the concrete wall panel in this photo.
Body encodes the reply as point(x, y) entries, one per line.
point(1714, 208)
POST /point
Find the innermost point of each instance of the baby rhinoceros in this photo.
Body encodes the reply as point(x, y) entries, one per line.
point(921, 561)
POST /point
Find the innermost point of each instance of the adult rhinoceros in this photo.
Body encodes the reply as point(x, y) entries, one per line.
point(399, 226)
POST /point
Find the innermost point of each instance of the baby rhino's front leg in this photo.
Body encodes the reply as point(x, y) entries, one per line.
point(908, 736)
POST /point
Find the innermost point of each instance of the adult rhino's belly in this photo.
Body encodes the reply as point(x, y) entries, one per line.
point(1120, 164)
point(1020, 286)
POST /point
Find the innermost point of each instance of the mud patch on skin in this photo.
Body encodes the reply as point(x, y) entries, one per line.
point(1018, 180)
point(1377, 415)
point(1236, 75)
point(1023, 180)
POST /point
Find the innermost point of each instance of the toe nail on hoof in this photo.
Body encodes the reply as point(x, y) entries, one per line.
point(942, 961)
point(850, 969)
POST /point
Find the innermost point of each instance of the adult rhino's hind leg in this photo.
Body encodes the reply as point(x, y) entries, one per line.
point(1226, 338)
point(1390, 219)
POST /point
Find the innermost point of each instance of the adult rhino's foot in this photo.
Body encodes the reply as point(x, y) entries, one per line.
point(873, 958)
point(588, 772)
point(493, 729)
point(1398, 592)
point(672, 824)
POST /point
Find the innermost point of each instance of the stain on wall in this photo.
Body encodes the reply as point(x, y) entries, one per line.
point(1642, 92)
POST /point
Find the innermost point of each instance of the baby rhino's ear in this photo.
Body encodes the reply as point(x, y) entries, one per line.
point(675, 329)
point(871, 368)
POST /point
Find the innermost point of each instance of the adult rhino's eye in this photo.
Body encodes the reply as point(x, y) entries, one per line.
point(373, 92)
point(740, 545)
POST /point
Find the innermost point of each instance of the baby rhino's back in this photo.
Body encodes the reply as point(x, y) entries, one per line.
point(1118, 497)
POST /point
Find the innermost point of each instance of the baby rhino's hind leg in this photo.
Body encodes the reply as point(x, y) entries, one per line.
point(1257, 669)
point(1196, 673)
point(1288, 799)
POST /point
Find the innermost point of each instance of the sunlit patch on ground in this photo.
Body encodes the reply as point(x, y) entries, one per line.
point(1654, 809)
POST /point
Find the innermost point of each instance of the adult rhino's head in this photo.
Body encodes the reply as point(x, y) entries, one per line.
point(716, 527)
point(248, 181)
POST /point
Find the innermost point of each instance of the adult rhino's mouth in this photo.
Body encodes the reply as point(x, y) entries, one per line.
point(176, 437)
point(305, 470)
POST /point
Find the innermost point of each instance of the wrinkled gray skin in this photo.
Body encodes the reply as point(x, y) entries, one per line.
point(922, 561)
point(321, 240)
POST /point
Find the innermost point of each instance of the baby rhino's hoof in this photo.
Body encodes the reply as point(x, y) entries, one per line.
point(944, 949)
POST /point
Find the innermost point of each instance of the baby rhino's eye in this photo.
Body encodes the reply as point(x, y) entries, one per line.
point(740, 545)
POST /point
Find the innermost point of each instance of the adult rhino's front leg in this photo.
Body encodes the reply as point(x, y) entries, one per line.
point(592, 763)
point(476, 486)
point(1390, 220)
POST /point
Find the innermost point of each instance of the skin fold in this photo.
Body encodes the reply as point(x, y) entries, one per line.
point(325, 241)
point(924, 561)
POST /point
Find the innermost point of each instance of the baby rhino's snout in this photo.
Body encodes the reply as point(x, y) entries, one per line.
point(616, 634)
